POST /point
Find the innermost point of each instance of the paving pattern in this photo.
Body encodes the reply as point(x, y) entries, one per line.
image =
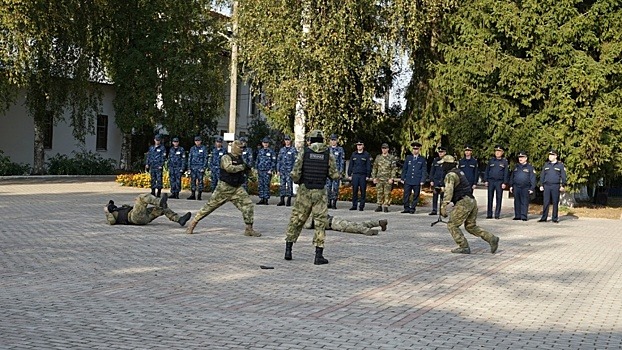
point(69, 280)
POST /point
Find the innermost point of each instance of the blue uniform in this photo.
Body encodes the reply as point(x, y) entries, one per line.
point(155, 162)
point(437, 175)
point(497, 173)
point(522, 180)
point(197, 161)
point(470, 169)
point(214, 166)
point(284, 166)
point(414, 172)
point(359, 170)
point(332, 186)
point(265, 164)
point(176, 167)
point(247, 156)
point(552, 177)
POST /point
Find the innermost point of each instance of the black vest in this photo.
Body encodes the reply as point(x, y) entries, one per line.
point(315, 169)
point(463, 189)
point(122, 215)
point(233, 179)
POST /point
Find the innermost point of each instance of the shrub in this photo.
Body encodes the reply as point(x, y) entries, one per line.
point(7, 167)
point(83, 163)
point(397, 194)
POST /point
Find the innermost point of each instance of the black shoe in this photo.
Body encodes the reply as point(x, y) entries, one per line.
point(182, 220)
point(386, 209)
point(288, 250)
point(496, 217)
point(192, 196)
point(153, 192)
point(319, 258)
point(378, 210)
point(163, 201)
point(515, 218)
point(542, 220)
point(405, 211)
point(282, 202)
point(524, 219)
point(159, 193)
point(433, 213)
point(289, 202)
point(489, 217)
point(412, 211)
point(556, 221)
point(353, 208)
point(260, 201)
point(199, 196)
point(360, 209)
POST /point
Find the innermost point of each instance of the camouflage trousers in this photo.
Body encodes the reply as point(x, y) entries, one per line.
point(142, 215)
point(264, 184)
point(309, 203)
point(465, 212)
point(214, 177)
point(174, 176)
point(343, 225)
point(383, 193)
point(196, 179)
point(332, 188)
point(287, 185)
point(156, 177)
point(225, 193)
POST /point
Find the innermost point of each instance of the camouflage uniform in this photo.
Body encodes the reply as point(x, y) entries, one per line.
point(214, 166)
point(266, 163)
point(343, 225)
point(284, 166)
point(155, 163)
point(332, 186)
point(176, 167)
point(197, 160)
point(141, 215)
point(385, 167)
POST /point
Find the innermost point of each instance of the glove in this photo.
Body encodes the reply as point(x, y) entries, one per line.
point(444, 210)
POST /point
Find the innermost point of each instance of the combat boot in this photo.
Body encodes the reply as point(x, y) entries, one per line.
point(319, 258)
point(163, 201)
point(289, 202)
point(461, 250)
point(159, 193)
point(288, 250)
point(191, 226)
point(386, 209)
point(282, 202)
point(250, 232)
point(494, 244)
point(383, 224)
point(371, 232)
point(199, 196)
point(192, 196)
point(334, 206)
point(153, 192)
point(379, 209)
point(182, 220)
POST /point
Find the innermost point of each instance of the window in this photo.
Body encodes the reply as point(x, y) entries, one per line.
point(101, 143)
point(48, 130)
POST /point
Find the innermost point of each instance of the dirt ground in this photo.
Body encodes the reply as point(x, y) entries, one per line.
point(613, 210)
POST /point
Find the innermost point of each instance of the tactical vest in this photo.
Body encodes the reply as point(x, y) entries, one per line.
point(463, 189)
point(315, 169)
point(123, 216)
point(233, 179)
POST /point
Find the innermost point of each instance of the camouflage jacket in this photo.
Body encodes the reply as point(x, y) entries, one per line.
point(385, 167)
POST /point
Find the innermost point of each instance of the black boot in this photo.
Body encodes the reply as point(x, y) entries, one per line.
point(282, 202)
point(334, 204)
point(199, 196)
point(192, 196)
point(260, 201)
point(153, 191)
point(319, 258)
point(289, 202)
point(163, 202)
point(288, 250)
point(182, 220)
point(379, 209)
point(159, 194)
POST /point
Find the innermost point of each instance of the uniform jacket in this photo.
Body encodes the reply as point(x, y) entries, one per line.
point(156, 156)
point(553, 174)
point(266, 159)
point(360, 164)
point(437, 175)
point(523, 176)
point(286, 159)
point(497, 170)
point(414, 170)
point(340, 157)
point(216, 155)
point(470, 169)
point(247, 155)
point(384, 167)
point(177, 158)
point(197, 158)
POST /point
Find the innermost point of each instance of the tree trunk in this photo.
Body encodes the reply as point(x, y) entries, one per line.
point(126, 152)
point(38, 164)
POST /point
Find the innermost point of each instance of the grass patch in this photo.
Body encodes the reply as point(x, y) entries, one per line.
point(613, 210)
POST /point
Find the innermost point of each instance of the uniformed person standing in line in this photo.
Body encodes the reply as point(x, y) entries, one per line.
point(553, 181)
point(214, 162)
point(155, 164)
point(359, 171)
point(313, 165)
point(437, 175)
point(458, 191)
point(140, 213)
point(496, 176)
point(176, 167)
point(266, 163)
point(414, 172)
point(284, 165)
point(383, 171)
point(247, 155)
point(197, 161)
point(229, 188)
point(332, 186)
point(522, 184)
point(366, 228)
point(468, 165)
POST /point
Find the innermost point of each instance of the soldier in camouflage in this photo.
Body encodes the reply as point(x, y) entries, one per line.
point(214, 162)
point(140, 213)
point(385, 167)
point(340, 224)
point(266, 163)
point(311, 169)
point(229, 188)
point(332, 186)
point(458, 191)
point(284, 166)
point(197, 160)
point(176, 167)
point(155, 163)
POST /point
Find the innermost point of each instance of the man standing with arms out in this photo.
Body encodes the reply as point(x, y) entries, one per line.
point(229, 188)
point(382, 174)
point(413, 175)
point(266, 163)
point(284, 166)
point(522, 184)
point(247, 155)
point(176, 167)
point(197, 160)
point(312, 167)
point(140, 214)
point(155, 164)
point(468, 165)
point(214, 162)
point(437, 175)
point(458, 191)
point(495, 178)
point(553, 181)
point(332, 186)
point(359, 172)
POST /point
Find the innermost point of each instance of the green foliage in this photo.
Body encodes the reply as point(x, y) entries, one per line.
point(82, 163)
point(7, 167)
point(259, 129)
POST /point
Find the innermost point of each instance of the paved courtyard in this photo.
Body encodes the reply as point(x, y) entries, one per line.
point(69, 280)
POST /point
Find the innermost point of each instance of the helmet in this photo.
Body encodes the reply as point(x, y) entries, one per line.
point(316, 136)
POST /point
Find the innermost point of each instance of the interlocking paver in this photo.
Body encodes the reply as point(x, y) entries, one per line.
point(69, 280)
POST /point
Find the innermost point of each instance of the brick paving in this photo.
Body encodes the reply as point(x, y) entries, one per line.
point(69, 280)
